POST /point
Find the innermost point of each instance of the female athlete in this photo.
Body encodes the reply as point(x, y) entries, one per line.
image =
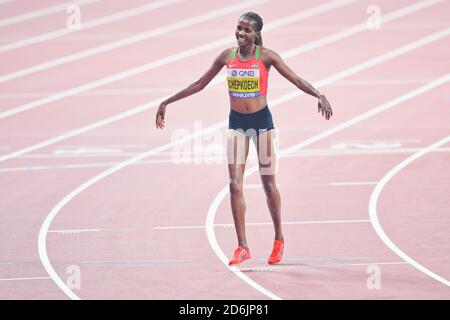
point(248, 65)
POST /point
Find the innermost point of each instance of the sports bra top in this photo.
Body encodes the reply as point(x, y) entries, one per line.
point(247, 79)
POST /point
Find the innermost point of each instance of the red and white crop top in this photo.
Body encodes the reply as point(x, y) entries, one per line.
point(247, 79)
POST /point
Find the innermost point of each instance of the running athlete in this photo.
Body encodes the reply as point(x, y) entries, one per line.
point(248, 65)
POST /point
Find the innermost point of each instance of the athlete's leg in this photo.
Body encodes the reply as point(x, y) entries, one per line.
point(267, 155)
point(237, 152)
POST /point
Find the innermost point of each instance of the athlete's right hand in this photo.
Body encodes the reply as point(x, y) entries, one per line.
point(160, 116)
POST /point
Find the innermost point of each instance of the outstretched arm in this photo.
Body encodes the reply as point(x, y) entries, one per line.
point(194, 87)
point(281, 66)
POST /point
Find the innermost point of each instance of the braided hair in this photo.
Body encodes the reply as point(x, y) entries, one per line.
point(258, 22)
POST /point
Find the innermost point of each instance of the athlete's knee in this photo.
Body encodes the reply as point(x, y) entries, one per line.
point(270, 188)
point(236, 187)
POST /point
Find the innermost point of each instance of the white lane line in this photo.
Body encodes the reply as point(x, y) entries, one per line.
point(308, 266)
point(224, 192)
point(302, 259)
point(354, 183)
point(224, 225)
point(312, 45)
point(147, 261)
point(401, 141)
point(352, 152)
point(89, 151)
point(160, 90)
point(78, 231)
point(180, 25)
point(43, 12)
point(306, 48)
point(133, 39)
point(79, 166)
point(88, 25)
point(436, 83)
point(193, 157)
point(384, 82)
point(219, 252)
point(256, 186)
point(326, 222)
point(229, 225)
point(98, 92)
point(188, 161)
point(178, 56)
point(374, 214)
point(104, 146)
point(6, 1)
point(74, 231)
point(211, 213)
point(144, 107)
point(392, 16)
point(24, 279)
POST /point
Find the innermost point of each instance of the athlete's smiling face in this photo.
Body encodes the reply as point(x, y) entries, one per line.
point(246, 32)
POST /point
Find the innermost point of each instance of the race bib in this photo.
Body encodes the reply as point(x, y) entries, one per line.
point(243, 83)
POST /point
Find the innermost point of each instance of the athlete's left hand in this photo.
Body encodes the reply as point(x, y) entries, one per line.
point(324, 106)
point(160, 116)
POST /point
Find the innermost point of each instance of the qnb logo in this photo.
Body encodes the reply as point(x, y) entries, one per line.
point(246, 73)
point(243, 73)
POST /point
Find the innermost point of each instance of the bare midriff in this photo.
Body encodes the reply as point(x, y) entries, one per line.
point(248, 105)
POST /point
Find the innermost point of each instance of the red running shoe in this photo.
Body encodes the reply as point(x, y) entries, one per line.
point(277, 252)
point(240, 255)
